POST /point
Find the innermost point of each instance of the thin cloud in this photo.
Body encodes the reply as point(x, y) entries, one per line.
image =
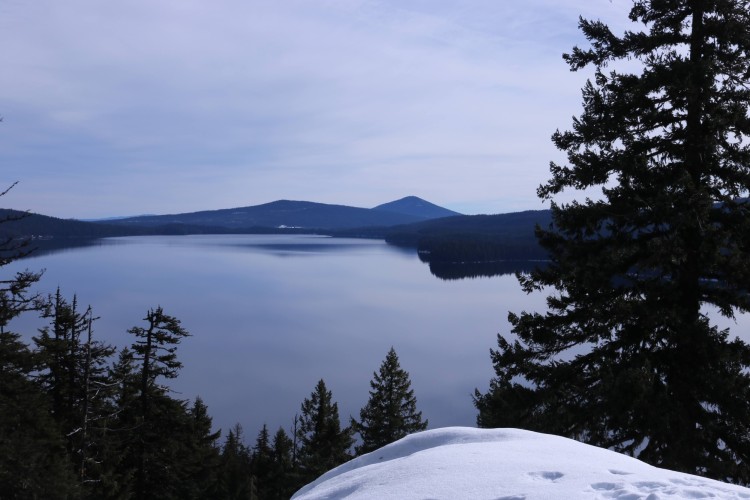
point(121, 108)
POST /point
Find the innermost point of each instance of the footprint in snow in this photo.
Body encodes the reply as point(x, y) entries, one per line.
point(550, 476)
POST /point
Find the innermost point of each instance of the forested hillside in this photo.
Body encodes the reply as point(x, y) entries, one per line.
point(296, 214)
point(22, 224)
point(475, 238)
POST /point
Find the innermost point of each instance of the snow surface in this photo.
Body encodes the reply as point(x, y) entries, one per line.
point(505, 464)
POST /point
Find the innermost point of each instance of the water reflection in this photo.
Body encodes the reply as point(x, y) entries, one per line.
point(270, 315)
point(42, 247)
point(471, 270)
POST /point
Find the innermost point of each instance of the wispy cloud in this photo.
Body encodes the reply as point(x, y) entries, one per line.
point(171, 106)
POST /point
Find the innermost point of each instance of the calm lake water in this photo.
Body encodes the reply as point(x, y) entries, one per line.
point(271, 315)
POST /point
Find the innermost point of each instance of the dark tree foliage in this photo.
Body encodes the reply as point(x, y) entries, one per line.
point(201, 455)
point(15, 292)
point(121, 431)
point(74, 372)
point(283, 479)
point(33, 462)
point(156, 450)
point(625, 356)
point(74, 425)
point(262, 463)
point(323, 443)
point(391, 412)
point(235, 476)
point(155, 348)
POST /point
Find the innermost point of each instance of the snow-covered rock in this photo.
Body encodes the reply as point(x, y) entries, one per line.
point(505, 464)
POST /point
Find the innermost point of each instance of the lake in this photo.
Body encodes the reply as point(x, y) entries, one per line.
point(270, 315)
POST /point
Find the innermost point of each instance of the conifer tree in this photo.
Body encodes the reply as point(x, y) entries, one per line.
point(155, 348)
point(235, 475)
point(33, 460)
point(626, 356)
point(74, 372)
point(158, 447)
point(121, 431)
point(283, 477)
point(262, 463)
point(200, 461)
point(391, 412)
point(323, 443)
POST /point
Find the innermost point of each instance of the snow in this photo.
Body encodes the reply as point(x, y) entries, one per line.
point(506, 464)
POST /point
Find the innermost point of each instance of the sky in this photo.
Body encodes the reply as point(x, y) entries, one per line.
point(506, 464)
point(172, 106)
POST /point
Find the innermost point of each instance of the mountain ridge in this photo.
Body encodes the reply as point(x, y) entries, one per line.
point(300, 215)
point(442, 242)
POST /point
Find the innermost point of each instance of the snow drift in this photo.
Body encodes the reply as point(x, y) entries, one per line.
point(505, 464)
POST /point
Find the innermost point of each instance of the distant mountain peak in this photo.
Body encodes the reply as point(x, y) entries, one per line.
point(416, 206)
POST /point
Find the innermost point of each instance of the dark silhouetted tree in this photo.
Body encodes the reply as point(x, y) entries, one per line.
point(391, 412)
point(159, 423)
point(262, 463)
point(283, 477)
point(323, 443)
point(626, 356)
point(74, 372)
point(200, 459)
point(33, 460)
point(235, 474)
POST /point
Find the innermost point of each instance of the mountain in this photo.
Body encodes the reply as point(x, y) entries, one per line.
point(510, 464)
point(298, 214)
point(412, 205)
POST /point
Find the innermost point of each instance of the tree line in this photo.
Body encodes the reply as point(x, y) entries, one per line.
point(79, 419)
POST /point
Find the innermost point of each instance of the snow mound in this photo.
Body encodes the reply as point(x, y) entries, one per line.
point(505, 464)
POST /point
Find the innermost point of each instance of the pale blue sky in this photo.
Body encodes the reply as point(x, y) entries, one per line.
point(167, 106)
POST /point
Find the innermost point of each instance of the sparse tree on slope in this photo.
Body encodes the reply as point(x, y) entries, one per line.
point(391, 412)
point(625, 356)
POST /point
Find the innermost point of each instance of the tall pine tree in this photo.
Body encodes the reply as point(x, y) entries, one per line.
point(157, 451)
point(283, 477)
point(626, 357)
point(391, 412)
point(74, 372)
point(323, 443)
